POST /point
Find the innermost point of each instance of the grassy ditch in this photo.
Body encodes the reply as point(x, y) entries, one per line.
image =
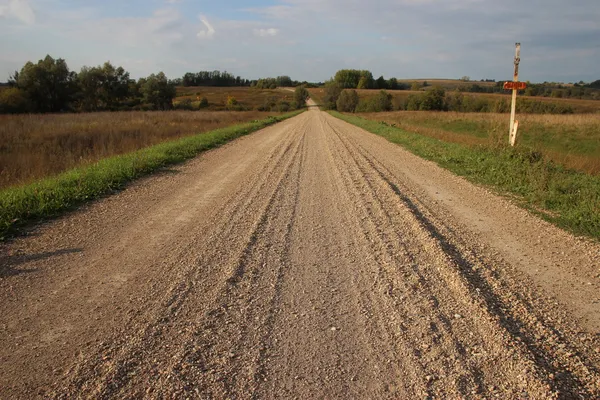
point(52, 196)
point(567, 198)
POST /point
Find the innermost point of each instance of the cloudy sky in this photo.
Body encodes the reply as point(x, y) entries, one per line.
point(309, 39)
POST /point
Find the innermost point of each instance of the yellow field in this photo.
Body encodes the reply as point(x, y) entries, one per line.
point(36, 146)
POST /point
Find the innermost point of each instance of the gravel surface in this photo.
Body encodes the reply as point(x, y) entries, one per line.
point(308, 260)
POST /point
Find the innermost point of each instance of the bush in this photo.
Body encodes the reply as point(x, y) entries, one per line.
point(379, 103)
point(283, 106)
point(348, 101)
point(300, 96)
point(332, 93)
point(413, 103)
point(14, 101)
point(268, 105)
point(203, 103)
point(433, 100)
point(185, 104)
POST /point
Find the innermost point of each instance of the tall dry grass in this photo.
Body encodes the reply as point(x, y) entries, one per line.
point(570, 140)
point(37, 146)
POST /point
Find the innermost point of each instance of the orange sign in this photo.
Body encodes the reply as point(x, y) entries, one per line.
point(514, 85)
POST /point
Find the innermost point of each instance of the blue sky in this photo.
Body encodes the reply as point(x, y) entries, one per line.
point(310, 39)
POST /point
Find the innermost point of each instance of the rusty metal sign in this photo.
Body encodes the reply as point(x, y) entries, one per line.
point(515, 85)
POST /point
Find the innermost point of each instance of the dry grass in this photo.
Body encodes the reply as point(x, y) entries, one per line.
point(249, 98)
point(36, 146)
point(570, 140)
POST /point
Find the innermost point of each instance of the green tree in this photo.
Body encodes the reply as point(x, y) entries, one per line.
point(354, 79)
point(284, 81)
point(347, 101)
point(49, 85)
point(413, 103)
point(392, 84)
point(14, 101)
point(434, 99)
point(102, 87)
point(381, 83)
point(332, 93)
point(364, 83)
point(383, 101)
point(301, 95)
point(158, 92)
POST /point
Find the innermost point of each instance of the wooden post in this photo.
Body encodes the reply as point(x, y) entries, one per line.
point(514, 125)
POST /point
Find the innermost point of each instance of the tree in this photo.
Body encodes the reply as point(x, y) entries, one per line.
point(434, 99)
point(102, 87)
point(301, 95)
point(392, 84)
point(381, 83)
point(332, 93)
point(383, 101)
point(353, 79)
point(14, 101)
point(158, 92)
point(49, 84)
point(347, 101)
point(465, 78)
point(284, 81)
point(415, 86)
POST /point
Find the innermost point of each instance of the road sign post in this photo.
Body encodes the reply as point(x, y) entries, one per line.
point(515, 85)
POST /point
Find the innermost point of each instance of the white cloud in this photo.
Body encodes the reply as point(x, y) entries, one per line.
point(18, 9)
point(266, 32)
point(209, 31)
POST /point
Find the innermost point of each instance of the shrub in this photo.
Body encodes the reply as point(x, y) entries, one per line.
point(348, 101)
point(379, 103)
point(203, 103)
point(14, 101)
point(231, 102)
point(332, 93)
point(185, 104)
point(434, 99)
point(413, 103)
point(283, 106)
point(300, 96)
point(268, 105)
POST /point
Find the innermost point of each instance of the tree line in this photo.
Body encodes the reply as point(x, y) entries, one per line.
point(49, 86)
point(363, 79)
point(436, 99)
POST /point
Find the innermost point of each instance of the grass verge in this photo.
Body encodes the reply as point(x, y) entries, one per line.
point(50, 197)
point(567, 198)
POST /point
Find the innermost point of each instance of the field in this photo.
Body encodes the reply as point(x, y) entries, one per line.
point(248, 98)
point(570, 140)
point(36, 146)
point(400, 97)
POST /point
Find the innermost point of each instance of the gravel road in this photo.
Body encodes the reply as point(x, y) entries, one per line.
point(308, 260)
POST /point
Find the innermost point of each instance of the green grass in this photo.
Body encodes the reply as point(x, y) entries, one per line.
point(567, 198)
point(53, 196)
